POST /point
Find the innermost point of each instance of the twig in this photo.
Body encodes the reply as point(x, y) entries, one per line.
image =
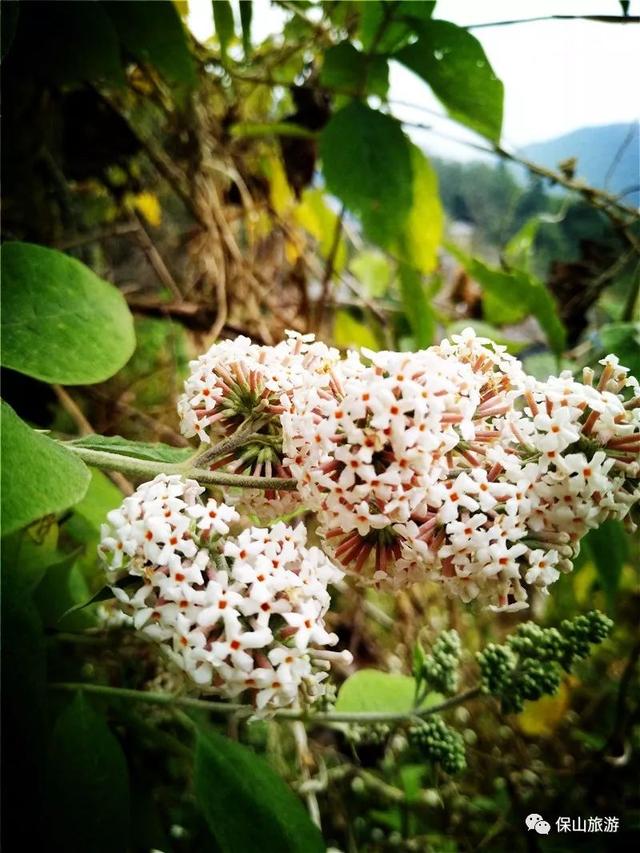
point(84, 428)
point(632, 299)
point(106, 461)
point(155, 258)
point(120, 229)
point(224, 708)
point(631, 132)
point(161, 430)
point(71, 408)
point(330, 266)
point(601, 19)
point(305, 762)
point(619, 729)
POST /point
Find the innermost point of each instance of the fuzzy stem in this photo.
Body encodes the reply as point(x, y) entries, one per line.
point(239, 437)
point(224, 708)
point(148, 469)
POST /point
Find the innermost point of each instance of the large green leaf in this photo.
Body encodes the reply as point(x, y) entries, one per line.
point(87, 800)
point(247, 806)
point(150, 451)
point(60, 322)
point(153, 32)
point(39, 477)
point(370, 690)
point(509, 297)
point(350, 72)
point(417, 306)
point(422, 233)
point(455, 66)
point(366, 160)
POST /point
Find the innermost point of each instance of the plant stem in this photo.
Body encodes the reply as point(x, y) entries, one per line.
point(223, 447)
point(148, 469)
point(224, 708)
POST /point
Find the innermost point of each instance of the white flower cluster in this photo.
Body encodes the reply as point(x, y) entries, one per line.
point(452, 464)
point(240, 614)
point(240, 385)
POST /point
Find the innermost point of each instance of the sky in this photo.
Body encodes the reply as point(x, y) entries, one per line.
point(558, 75)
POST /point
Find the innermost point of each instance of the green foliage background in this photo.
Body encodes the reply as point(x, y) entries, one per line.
point(159, 193)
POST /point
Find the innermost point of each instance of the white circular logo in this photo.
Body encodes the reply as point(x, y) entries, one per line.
point(537, 822)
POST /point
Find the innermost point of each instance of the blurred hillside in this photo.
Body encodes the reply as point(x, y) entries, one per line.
point(607, 156)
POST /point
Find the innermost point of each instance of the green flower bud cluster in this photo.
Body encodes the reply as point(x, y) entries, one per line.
point(369, 734)
point(439, 743)
point(439, 669)
point(530, 664)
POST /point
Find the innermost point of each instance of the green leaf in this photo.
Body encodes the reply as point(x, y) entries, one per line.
point(60, 322)
point(39, 477)
point(622, 339)
point(147, 450)
point(372, 690)
point(246, 14)
point(32, 551)
point(366, 160)
point(417, 306)
point(255, 129)
point(517, 252)
point(373, 271)
point(609, 551)
point(456, 68)
point(153, 33)
point(349, 332)
point(105, 593)
point(223, 21)
point(87, 802)
point(386, 26)
point(101, 497)
point(508, 297)
point(351, 72)
point(422, 233)
point(61, 588)
point(246, 805)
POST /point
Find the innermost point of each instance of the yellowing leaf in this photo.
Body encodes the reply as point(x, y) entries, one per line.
point(583, 582)
point(182, 7)
point(349, 332)
point(292, 249)
point(373, 270)
point(542, 717)
point(280, 194)
point(422, 232)
point(316, 217)
point(148, 205)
